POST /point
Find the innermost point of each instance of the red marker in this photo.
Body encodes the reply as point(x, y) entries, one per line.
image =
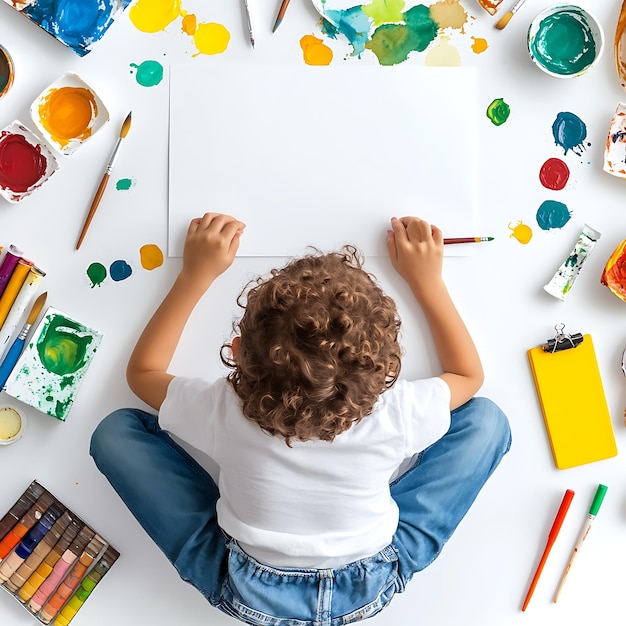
point(554, 531)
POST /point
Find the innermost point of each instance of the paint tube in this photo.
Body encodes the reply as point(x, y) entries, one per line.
point(564, 278)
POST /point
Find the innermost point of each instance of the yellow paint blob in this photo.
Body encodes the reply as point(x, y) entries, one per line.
point(315, 51)
point(151, 256)
point(443, 54)
point(449, 14)
point(479, 44)
point(151, 16)
point(190, 23)
point(67, 112)
point(522, 232)
point(211, 38)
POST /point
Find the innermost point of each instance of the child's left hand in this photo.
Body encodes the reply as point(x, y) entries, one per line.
point(210, 247)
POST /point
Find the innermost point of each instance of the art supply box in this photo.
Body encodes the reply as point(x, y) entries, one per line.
point(50, 559)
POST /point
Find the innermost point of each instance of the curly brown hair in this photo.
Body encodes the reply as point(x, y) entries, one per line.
point(319, 344)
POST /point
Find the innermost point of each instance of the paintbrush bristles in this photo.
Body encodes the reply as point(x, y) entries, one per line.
point(126, 125)
point(504, 20)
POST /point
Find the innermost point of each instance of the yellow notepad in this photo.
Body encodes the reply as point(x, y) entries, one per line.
point(573, 403)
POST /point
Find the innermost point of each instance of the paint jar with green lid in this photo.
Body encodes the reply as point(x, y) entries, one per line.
point(12, 425)
point(565, 41)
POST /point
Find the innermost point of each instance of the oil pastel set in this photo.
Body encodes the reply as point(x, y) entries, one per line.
point(50, 559)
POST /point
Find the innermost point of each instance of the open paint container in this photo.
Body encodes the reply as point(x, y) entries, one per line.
point(68, 113)
point(25, 162)
point(565, 41)
point(6, 71)
point(12, 425)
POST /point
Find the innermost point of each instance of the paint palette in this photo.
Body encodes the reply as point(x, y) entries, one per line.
point(78, 24)
point(68, 113)
point(51, 560)
point(51, 368)
point(615, 148)
point(25, 162)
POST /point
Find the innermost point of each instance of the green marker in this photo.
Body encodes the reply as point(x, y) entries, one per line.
point(593, 511)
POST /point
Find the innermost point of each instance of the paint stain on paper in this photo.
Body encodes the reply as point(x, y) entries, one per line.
point(120, 270)
point(315, 51)
point(151, 256)
point(552, 214)
point(63, 347)
point(498, 111)
point(442, 54)
point(384, 11)
point(449, 14)
point(522, 232)
point(211, 38)
point(124, 184)
point(479, 45)
point(152, 16)
point(189, 23)
point(67, 114)
point(554, 174)
point(96, 273)
point(570, 132)
point(148, 73)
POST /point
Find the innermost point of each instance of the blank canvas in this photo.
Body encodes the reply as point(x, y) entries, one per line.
point(321, 156)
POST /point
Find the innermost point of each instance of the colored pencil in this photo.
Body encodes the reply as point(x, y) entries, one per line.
point(250, 24)
point(281, 14)
point(552, 535)
point(466, 240)
point(105, 179)
point(506, 18)
point(593, 511)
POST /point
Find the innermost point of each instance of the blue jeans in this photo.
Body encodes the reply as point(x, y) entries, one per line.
point(174, 499)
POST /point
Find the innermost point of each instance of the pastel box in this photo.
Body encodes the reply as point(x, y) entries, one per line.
point(51, 560)
point(68, 112)
point(55, 360)
point(25, 162)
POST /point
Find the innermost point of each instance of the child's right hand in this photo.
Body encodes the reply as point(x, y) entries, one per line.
point(416, 251)
point(210, 247)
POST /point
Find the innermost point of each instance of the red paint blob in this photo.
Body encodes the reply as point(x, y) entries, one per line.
point(554, 174)
point(21, 163)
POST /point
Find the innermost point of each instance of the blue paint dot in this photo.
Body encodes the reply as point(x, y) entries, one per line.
point(552, 214)
point(120, 270)
point(569, 132)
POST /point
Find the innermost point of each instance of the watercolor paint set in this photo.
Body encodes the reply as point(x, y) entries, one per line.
point(50, 559)
point(52, 366)
point(78, 24)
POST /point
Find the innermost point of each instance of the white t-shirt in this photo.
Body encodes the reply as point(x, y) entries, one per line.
point(316, 504)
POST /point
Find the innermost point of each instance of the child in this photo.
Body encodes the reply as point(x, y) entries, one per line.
point(311, 523)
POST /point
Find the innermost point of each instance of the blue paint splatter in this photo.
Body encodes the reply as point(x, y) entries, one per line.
point(77, 23)
point(352, 23)
point(552, 214)
point(120, 270)
point(569, 132)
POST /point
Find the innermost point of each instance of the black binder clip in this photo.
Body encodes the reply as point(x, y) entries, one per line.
point(562, 341)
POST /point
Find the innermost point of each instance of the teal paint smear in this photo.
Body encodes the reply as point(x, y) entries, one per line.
point(569, 132)
point(498, 112)
point(552, 214)
point(352, 23)
point(564, 43)
point(392, 43)
point(149, 73)
point(120, 270)
point(96, 273)
point(124, 184)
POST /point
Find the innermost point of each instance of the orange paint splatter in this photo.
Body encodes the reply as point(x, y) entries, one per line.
point(151, 256)
point(315, 51)
point(522, 232)
point(67, 113)
point(479, 45)
point(190, 23)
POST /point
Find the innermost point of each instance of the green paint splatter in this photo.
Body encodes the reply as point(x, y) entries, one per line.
point(149, 73)
point(62, 347)
point(498, 112)
point(392, 43)
point(124, 184)
point(97, 273)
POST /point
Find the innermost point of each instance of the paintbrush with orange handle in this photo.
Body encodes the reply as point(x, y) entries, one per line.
point(105, 179)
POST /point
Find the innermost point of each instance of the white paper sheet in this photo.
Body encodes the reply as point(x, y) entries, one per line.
point(322, 156)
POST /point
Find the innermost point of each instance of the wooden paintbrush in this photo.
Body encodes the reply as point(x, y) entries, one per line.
point(7, 365)
point(506, 18)
point(105, 179)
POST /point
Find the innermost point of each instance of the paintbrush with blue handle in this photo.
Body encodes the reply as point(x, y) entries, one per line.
point(7, 365)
